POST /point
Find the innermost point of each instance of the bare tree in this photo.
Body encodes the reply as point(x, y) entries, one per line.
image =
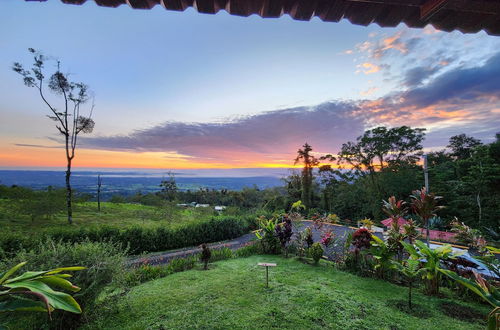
point(99, 184)
point(69, 122)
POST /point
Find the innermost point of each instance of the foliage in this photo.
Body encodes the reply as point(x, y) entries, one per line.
point(332, 218)
point(410, 268)
point(205, 256)
point(284, 232)
point(316, 252)
point(425, 206)
point(431, 259)
point(168, 187)
point(361, 239)
point(483, 289)
point(383, 254)
point(327, 238)
point(267, 235)
point(16, 291)
point(305, 157)
point(367, 223)
point(103, 262)
point(466, 235)
point(395, 209)
point(138, 239)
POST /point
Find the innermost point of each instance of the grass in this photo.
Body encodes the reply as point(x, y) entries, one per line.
point(232, 294)
point(114, 214)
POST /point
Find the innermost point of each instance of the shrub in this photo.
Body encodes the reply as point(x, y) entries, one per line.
point(316, 252)
point(103, 262)
point(205, 256)
point(361, 239)
point(137, 239)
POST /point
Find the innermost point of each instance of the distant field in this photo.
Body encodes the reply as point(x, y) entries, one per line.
point(114, 214)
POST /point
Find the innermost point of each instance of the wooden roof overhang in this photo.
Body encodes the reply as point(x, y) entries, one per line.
point(467, 16)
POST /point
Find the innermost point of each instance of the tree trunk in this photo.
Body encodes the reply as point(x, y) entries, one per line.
point(409, 295)
point(478, 199)
point(98, 193)
point(69, 194)
point(427, 238)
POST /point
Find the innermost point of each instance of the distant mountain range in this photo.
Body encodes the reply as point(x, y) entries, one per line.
point(129, 181)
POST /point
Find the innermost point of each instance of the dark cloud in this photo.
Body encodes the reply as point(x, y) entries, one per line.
point(463, 84)
point(264, 135)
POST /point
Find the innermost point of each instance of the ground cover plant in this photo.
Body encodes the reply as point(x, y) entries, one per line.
point(232, 294)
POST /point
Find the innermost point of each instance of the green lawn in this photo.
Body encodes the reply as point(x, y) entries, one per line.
point(232, 295)
point(114, 214)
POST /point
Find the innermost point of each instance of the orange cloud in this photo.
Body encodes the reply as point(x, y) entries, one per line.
point(369, 68)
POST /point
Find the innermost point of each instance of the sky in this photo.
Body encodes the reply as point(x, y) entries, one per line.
point(179, 90)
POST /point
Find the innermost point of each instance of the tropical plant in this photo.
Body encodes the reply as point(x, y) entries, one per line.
point(395, 209)
point(327, 238)
point(297, 206)
point(410, 268)
point(425, 206)
point(316, 252)
point(410, 231)
point(205, 255)
point(333, 218)
point(266, 235)
point(367, 223)
point(484, 290)
point(466, 235)
point(383, 254)
point(16, 291)
point(431, 259)
point(490, 260)
point(284, 232)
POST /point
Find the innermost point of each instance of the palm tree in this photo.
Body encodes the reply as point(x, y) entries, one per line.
point(425, 206)
point(304, 156)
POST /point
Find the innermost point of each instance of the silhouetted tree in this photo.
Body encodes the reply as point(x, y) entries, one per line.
point(305, 157)
point(69, 122)
point(169, 187)
point(461, 146)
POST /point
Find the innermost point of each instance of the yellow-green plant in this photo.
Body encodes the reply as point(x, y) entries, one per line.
point(333, 218)
point(367, 223)
point(32, 291)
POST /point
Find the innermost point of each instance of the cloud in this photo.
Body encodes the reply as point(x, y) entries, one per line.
point(261, 138)
point(36, 146)
point(369, 91)
point(368, 68)
point(461, 99)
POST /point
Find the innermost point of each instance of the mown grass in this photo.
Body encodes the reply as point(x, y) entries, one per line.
point(113, 214)
point(232, 295)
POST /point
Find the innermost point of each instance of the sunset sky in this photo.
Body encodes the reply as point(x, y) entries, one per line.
point(189, 90)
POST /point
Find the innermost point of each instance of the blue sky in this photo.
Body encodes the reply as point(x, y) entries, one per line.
point(173, 89)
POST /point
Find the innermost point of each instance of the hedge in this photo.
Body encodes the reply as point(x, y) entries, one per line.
point(137, 239)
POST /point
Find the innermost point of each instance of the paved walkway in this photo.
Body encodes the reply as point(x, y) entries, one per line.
point(161, 258)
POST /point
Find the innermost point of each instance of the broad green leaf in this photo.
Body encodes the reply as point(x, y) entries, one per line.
point(15, 304)
point(63, 269)
point(58, 300)
point(26, 276)
point(54, 281)
point(11, 271)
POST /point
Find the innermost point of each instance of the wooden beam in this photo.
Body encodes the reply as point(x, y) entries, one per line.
point(431, 7)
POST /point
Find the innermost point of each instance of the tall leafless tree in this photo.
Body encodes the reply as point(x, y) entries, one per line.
point(99, 184)
point(69, 121)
